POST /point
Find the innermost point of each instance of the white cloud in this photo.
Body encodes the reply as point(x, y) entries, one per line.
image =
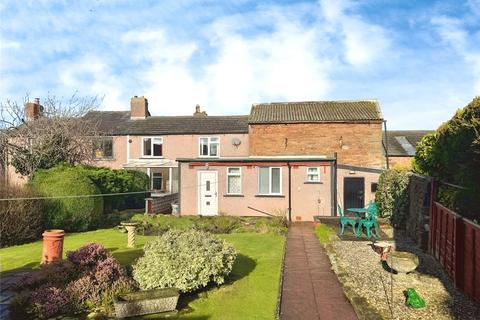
point(453, 33)
point(363, 42)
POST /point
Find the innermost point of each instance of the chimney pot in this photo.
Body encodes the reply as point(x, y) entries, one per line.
point(199, 113)
point(139, 108)
point(37, 100)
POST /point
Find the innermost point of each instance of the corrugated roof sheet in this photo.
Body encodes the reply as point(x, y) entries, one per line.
point(315, 111)
point(412, 136)
point(119, 123)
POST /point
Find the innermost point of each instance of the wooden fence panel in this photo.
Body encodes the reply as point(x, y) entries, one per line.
point(455, 243)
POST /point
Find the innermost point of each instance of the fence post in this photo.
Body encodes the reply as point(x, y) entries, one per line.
point(432, 223)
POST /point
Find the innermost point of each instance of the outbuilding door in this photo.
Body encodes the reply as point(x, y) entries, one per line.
point(354, 192)
point(207, 193)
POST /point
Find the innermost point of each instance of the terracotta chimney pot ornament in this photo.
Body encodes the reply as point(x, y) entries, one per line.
point(52, 245)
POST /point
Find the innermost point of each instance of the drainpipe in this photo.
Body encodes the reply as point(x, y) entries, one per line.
point(386, 143)
point(289, 192)
point(334, 185)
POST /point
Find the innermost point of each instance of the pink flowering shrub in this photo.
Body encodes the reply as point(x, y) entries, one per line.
point(88, 280)
point(88, 256)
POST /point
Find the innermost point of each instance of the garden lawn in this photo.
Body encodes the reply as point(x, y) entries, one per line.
point(251, 290)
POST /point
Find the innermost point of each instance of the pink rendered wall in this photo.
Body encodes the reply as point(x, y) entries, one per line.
point(187, 146)
point(305, 197)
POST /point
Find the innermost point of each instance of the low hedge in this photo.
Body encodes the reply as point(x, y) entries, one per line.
point(159, 224)
point(70, 214)
point(20, 220)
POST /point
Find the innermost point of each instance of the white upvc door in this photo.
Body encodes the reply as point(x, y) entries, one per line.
point(207, 193)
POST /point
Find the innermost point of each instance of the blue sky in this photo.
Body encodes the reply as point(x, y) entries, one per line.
point(420, 59)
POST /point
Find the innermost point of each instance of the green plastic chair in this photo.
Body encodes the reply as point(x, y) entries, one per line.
point(370, 221)
point(345, 221)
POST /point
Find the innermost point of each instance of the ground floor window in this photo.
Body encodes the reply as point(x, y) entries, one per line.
point(313, 174)
point(234, 180)
point(157, 180)
point(270, 180)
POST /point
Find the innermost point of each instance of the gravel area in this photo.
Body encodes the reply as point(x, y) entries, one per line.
point(368, 284)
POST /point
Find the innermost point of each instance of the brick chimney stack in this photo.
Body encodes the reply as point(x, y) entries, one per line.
point(33, 110)
point(139, 108)
point(199, 113)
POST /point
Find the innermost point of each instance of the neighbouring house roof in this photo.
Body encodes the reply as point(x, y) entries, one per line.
point(403, 143)
point(119, 123)
point(316, 111)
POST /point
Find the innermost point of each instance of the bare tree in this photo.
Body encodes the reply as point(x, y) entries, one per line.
point(53, 132)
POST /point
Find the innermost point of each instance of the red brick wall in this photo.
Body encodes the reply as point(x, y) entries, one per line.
point(357, 144)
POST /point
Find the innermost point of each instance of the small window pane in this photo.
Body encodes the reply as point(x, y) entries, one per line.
point(147, 147)
point(234, 170)
point(204, 146)
point(108, 148)
point(213, 149)
point(263, 180)
point(275, 180)
point(157, 150)
point(234, 186)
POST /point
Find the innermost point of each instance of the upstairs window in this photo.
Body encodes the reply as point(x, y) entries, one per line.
point(270, 180)
point(152, 147)
point(209, 147)
point(313, 174)
point(234, 180)
point(103, 148)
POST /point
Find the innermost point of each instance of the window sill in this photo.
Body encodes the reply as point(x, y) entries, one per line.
point(209, 157)
point(269, 196)
point(146, 157)
point(313, 182)
point(233, 195)
point(104, 159)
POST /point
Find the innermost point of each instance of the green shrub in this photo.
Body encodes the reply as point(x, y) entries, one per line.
point(392, 196)
point(21, 220)
point(452, 154)
point(184, 259)
point(119, 181)
point(70, 214)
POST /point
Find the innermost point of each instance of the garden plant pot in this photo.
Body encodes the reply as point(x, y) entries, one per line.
point(52, 245)
point(146, 302)
point(403, 262)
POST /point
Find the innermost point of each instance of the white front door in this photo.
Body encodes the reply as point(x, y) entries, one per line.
point(207, 193)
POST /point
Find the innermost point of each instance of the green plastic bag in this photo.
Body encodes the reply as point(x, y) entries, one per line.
point(413, 299)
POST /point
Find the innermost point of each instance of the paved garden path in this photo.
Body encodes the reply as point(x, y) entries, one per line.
point(310, 288)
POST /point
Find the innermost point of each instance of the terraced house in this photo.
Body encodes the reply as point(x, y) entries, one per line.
point(299, 159)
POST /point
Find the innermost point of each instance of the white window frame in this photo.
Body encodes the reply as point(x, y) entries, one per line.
point(309, 174)
point(270, 193)
point(151, 146)
point(239, 174)
point(209, 141)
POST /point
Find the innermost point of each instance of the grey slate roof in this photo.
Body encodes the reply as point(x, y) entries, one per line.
point(119, 123)
point(316, 111)
point(395, 138)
